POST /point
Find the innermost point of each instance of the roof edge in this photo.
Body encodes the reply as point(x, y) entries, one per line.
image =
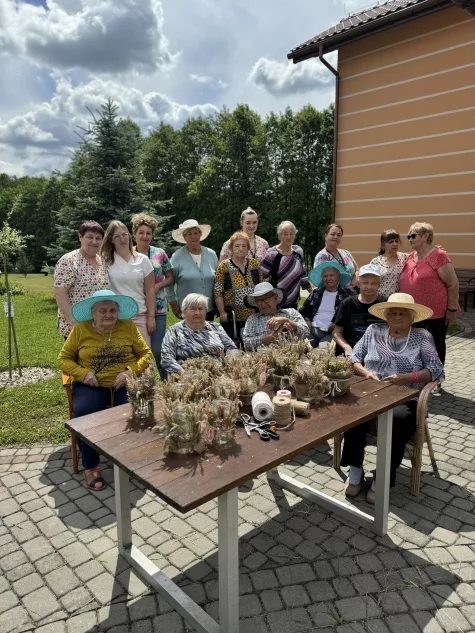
point(346, 37)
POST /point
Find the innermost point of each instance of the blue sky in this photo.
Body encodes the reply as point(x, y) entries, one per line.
point(159, 60)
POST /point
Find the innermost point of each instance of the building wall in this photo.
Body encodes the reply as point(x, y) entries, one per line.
point(406, 146)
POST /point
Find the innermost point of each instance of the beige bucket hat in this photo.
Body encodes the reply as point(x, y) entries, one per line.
point(177, 234)
point(401, 300)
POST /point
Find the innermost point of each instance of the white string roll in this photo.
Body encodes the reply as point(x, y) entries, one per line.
point(262, 408)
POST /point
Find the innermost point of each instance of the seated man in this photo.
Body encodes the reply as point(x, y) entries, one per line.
point(353, 317)
point(330, 281)
point(270, 321)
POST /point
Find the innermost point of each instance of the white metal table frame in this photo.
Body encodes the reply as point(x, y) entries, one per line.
point(228, 539)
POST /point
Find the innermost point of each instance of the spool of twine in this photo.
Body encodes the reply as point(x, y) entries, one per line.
point(302, 409)
point(284, 393)
point(283, 412)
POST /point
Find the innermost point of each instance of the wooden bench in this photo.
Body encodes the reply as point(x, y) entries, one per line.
point(466, 277)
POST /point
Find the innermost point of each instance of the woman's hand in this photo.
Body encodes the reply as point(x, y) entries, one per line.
point(151, 325)
point(398, 379)
point(370, 374)
point(450, 317)
point(90, 379)
point(121, 379)
point(223, 317)
point(175, 309)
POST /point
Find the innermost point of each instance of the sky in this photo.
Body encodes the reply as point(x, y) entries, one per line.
point(158, 60)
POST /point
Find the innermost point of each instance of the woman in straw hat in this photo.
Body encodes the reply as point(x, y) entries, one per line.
point(194, 267)
point(392, 352)
point(103, 348)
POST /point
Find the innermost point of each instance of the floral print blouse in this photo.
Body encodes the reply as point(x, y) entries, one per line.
point(82, 279)
point(233, 285)
point(389, 274)
point(160, 262)
point(346, 260)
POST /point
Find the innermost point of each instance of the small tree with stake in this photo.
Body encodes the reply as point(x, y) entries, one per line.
point(12, 242)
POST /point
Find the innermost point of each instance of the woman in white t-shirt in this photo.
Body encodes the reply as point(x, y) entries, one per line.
point(130, 274)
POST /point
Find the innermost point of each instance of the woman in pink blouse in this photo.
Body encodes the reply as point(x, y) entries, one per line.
point(429, 276)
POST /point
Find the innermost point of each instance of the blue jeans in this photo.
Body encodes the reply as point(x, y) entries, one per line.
point(88, 400)
point(157, 340)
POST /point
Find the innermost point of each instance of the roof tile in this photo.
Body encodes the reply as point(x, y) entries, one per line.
point(357, 19)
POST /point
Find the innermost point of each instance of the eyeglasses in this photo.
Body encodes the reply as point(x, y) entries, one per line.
point(412, 236)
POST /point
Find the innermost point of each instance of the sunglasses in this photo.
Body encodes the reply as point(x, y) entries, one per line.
point(412, 236)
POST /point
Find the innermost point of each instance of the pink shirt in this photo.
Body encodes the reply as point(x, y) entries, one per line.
point(420, 279)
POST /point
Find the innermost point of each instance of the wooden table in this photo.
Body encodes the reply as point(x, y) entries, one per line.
point(188, 481)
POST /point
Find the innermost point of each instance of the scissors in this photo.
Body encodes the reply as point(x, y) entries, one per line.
point(263, 428)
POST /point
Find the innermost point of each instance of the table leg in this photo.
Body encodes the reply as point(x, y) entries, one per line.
point(383, 465)
point(228, 562)
point(122, 508)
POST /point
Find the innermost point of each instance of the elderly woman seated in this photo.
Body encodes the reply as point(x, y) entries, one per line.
point(101, 351)
point(400, 354)
point(194, 336)
point(271, 321)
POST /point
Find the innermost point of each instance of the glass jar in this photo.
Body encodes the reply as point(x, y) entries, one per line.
point(140, 409)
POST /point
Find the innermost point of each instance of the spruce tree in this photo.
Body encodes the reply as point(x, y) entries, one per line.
point(104, 180)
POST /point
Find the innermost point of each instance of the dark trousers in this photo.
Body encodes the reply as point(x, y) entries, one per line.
point(319, 336)
point(88, 400)
point(210, 315)
point(404, 426)
point(438, 329)
point(229, 329)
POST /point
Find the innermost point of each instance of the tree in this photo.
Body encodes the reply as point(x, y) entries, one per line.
point(12, 242)
point(104, 180)
point(23, 264)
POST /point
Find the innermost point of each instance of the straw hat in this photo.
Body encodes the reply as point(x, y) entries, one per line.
point(262, 289)
point(177, 234)
point(128, 307)
point(401, 300)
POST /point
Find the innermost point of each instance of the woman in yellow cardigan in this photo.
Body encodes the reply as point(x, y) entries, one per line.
point(103, 348)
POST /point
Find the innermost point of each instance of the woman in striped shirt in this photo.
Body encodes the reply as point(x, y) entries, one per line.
point(284, 265)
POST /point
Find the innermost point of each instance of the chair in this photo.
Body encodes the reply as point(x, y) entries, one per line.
point(417, 441)
point(66, 378)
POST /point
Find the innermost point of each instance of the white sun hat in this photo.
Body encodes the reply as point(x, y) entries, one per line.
point(401, 300)
point(177, 234)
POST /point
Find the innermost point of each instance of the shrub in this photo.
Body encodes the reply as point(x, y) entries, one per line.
point(15, 289)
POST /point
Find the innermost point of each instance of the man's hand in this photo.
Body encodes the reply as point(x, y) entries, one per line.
point(90, 379)
point(121, 379)
point(281, 324)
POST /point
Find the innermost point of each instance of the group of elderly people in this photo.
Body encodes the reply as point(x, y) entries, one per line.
point(392, 326)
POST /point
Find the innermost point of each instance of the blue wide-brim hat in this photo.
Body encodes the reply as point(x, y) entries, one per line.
point(128, 307)
point(316, 275)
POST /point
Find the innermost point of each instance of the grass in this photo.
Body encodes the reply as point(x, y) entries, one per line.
point(35, 414)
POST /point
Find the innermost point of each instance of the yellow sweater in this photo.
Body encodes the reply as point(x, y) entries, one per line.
point(86, 350)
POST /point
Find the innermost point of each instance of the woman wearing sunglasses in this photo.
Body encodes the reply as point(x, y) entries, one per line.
point(429, 276)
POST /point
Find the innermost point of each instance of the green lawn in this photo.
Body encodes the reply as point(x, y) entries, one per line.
point(36, 413)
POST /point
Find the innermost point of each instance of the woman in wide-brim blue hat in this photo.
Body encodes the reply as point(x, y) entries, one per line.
point(331, 287)
point(102, 350)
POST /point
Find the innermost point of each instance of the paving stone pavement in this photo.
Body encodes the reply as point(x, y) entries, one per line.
point(302, 569)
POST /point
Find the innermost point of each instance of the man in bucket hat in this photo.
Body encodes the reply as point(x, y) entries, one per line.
point(270, 320)
point(353, 317)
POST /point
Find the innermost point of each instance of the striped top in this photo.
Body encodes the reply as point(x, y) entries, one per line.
point(291, 274)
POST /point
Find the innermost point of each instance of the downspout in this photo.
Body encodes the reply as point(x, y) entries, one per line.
point(335, 126)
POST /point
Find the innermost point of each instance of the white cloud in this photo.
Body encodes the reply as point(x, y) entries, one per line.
point(103, 36)
point(282, 79)
point(50, 127)
point(201, 79)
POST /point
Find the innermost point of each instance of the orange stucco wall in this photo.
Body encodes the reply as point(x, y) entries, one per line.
point(406, 145)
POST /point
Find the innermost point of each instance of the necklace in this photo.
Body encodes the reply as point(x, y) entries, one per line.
point(393, 351)
point(104, 334)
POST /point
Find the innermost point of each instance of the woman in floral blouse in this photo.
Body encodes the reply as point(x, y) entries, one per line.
point(331, 252)
point(143, 228)
point(236, 278)
point(79, 273)
point(390, 262)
